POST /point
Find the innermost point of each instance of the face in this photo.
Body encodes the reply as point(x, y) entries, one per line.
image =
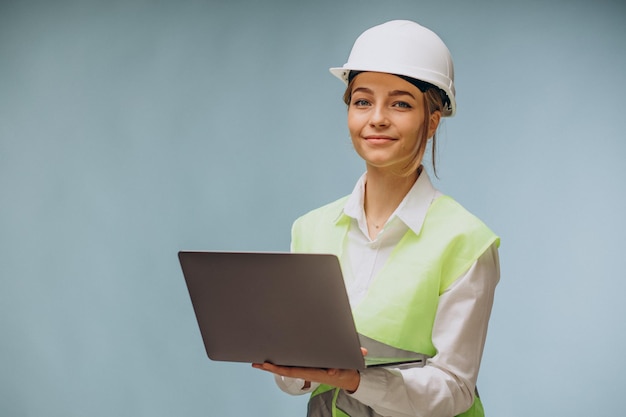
point(386, 120)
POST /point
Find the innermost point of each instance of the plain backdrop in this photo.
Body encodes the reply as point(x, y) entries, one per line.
point(132, 129)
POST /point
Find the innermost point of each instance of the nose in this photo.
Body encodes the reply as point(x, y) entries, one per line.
point(378, 117)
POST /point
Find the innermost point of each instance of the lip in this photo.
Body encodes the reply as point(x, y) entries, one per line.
point(379, 139)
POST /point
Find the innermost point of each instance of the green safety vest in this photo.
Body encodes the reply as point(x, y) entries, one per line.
point(400, 307)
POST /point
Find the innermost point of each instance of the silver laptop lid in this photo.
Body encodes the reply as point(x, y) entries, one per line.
point(286, 308)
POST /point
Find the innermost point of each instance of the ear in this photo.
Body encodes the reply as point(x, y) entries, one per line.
point(433, 123)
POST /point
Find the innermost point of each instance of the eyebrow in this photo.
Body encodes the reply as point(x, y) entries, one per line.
point(394, 93)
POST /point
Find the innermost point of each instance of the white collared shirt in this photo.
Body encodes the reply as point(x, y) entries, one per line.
point(445, 386)
point(366, 256)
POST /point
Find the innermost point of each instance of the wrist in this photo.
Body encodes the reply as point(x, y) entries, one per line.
point(354, 383)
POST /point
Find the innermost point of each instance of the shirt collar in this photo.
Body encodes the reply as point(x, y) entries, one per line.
point(411, 211)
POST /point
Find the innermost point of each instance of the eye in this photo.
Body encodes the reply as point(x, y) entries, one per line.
point(361, 102)
point(402, 104)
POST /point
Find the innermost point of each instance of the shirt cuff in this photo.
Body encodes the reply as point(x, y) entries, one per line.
point(372, 387)
point(293, 386)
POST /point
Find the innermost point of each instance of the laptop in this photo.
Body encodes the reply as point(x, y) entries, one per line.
point(290, 309)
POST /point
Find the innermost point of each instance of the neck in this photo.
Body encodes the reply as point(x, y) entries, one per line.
point(383, 194)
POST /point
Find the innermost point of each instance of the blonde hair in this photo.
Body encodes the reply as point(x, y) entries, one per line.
point(434, 99)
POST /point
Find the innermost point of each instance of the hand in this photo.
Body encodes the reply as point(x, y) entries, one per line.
point(347, 379)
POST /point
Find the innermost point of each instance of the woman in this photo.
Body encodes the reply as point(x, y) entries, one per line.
point(420, 270)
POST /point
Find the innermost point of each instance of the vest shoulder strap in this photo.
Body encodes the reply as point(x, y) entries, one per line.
point(322, 230)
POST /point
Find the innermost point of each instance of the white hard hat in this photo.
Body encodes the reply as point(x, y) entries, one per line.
point(405, 48)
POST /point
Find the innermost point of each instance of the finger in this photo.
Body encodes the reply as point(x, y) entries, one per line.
point(364, 351)
point(266, 366)
point(287, 371)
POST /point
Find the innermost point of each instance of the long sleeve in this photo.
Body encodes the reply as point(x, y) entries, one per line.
point(293, 386)
point(445, 385)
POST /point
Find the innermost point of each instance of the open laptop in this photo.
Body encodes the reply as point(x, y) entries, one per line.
point(289, 309)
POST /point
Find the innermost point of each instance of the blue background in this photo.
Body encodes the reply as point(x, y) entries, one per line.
point(132, 129)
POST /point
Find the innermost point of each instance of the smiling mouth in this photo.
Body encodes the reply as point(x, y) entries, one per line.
point(379, 139)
